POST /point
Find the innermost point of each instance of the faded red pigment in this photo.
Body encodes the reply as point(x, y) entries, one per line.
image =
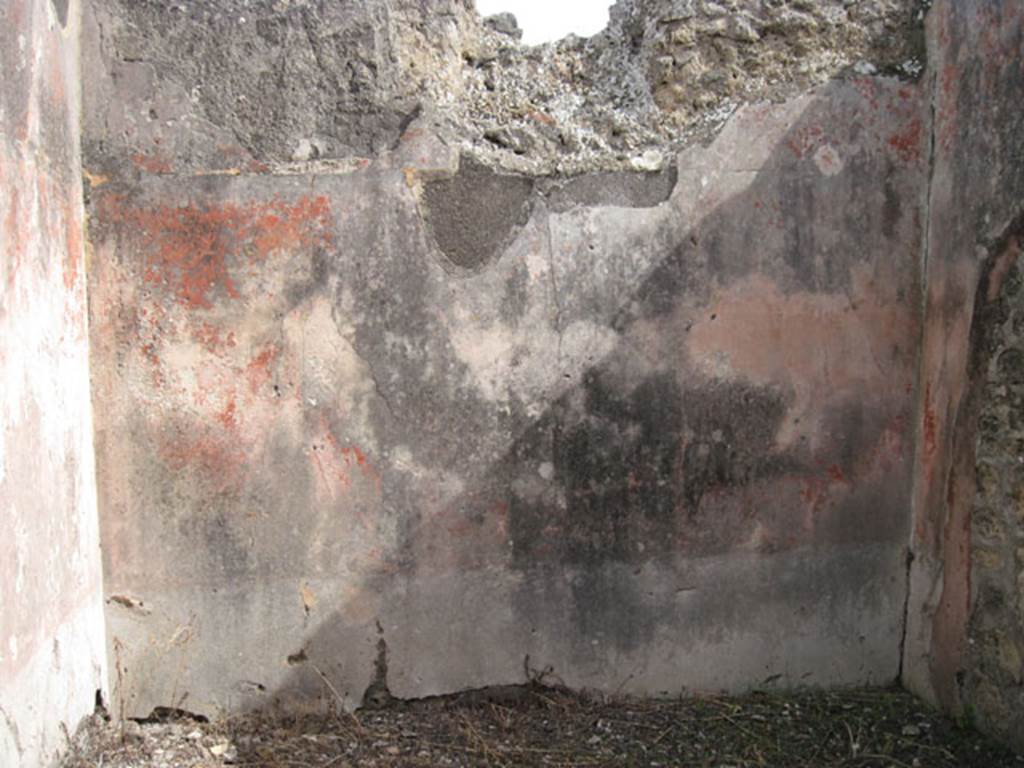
point(258, 371)
point(189, 249)
point(907, 142)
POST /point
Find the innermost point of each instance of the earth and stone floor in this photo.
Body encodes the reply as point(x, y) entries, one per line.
point(536, 725)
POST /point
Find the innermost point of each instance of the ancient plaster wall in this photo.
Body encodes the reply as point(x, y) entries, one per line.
point(51, 615)
point(973, 209)
point(651, 429)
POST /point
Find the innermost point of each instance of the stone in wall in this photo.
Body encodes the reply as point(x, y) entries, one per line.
point(701, 55)
point(238, 85)
point(993, 683)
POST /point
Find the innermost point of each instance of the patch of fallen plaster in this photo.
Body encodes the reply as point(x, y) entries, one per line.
point(623, 189)
point(129, 603)
point(60, 9)
point(663, 74)
point(377, 693)
point(475, 214)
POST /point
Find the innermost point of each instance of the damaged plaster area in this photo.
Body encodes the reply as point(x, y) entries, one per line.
point(418, 351)
point(233, 84)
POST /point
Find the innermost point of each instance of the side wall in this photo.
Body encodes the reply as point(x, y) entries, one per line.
point(973, 208)
point(994, 679)
point(51, 612)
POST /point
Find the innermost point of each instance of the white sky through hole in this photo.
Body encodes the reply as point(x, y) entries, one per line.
point(545, 20)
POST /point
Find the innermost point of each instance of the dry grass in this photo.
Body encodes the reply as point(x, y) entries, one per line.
point(536, 726)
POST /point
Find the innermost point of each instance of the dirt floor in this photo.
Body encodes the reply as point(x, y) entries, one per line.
point(539, 726)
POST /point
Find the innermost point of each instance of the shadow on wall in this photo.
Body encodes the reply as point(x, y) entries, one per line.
point(722, 496)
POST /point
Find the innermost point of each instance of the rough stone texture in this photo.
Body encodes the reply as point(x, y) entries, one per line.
point(225, 83)
point(505, 23)
point(232, 84)
point(697, 55)
point(994, 680)
point(51, 612)
point(651, 429)
point(973, 208)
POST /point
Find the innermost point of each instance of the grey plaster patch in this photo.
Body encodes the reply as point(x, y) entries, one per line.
point(474, 214)
point(619, 188)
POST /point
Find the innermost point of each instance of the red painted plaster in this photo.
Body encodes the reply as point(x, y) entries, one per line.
point(219, 457)
point(190, 250)
point(908, 141)
point(73, 240)
point(258, 371)
point(804, 140)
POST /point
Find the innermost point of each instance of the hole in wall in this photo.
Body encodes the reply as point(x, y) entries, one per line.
point(60, 7)
point(171, 715)
point(544, 22)
point(101, 705)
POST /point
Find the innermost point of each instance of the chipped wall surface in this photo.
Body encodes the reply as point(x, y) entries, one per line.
point(973, 206)
point(424, 361)
point(652, 428)
point(994, 669)
point(51, 614)
point(231, 84)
